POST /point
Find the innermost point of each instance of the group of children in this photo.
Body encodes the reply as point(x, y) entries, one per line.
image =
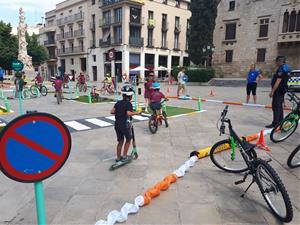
point(123, 114)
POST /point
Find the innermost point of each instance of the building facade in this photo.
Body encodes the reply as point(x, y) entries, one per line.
point(255, 31)
point(146, 33)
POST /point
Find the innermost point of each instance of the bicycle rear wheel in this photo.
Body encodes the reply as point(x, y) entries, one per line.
point(294, 159)
point(44, 90)
point(153, 126)
point(58, 97)
point(273, 191)
point(221, 156)
point(25, 94)
point(284, 129)
point(165, 118)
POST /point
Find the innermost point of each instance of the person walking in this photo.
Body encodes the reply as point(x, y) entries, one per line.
point(252, 82)
point(279, 88)
point(181, 83)
point(1, 76)
point(148, 90)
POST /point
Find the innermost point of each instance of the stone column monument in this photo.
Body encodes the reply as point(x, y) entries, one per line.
point(23, 56)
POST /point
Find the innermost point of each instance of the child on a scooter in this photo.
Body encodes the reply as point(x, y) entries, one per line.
point(156, 98)
point(123, 113)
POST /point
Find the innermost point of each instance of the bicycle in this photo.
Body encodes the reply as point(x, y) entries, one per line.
point(243, 158)
point(156, 119)
point(107, 89)
point(294, 158)
point(81, 86)
point(35, 89)
point(289, 124)
point(58, 95)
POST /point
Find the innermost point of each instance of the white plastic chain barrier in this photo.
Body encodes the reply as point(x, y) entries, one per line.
point(128, 208)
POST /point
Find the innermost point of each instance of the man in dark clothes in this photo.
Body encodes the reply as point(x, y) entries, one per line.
point(279, 88)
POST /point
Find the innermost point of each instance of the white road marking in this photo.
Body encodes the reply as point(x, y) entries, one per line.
point(98, 122)
point(77, 126)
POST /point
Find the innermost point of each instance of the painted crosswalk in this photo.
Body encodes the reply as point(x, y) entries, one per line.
point(96, 123)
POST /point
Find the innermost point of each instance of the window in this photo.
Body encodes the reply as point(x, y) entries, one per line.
point(164, 21)
point(177, 21)
point(93, 2)
point(118, 15)
point(106, 17)
point(150, 38)
point(261, 55)
point(94, 58)
point(135, 15)
point(292, 25)
point(285, 24)
point(165, 2)
point(263, 28)
point(298, 21)
point(164, 40)
point(176, 41)
point(118, 34)
point(231, 5)
point(72, 61)
point(229, 56)
point(230, 31)
point(177, 3)
point(150, 15)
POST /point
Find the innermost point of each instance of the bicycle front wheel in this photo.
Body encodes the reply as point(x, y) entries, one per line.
point(221, 154)
point(44, 90)
point(284, 129)
point(273, 191)
point(153, 126)
point(25, 94)
point(34, 90)
point(294, 159)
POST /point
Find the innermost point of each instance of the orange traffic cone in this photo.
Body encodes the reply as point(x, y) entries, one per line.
point(261, 142)
point(211, 94)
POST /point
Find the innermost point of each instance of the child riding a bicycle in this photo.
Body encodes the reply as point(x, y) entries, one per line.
point(156, 97)
point(38, 80)
point(58, 86)
point(123, 113)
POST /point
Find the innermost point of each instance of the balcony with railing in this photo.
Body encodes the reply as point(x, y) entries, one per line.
point(69, 19)
point(49, 42)
point(69, 34)
point(107, 3)
point(93, 25)
point(69, 51)
point(79, 33)
point(104, 22)
point(104, 43)
point(164, 26)
point(137, 21)
point(151, 23)
point(177, 28)
point(60, 36)
point(52, 57)
point(116, 41)
point(136, 41)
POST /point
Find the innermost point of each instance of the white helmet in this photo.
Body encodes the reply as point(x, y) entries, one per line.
point(127, 90)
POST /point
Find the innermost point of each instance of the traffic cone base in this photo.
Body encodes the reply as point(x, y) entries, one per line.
point(261, 142)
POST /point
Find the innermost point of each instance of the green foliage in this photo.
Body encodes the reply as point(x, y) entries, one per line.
point(196, 74)
point(8, 46)
point(202, 24)
point(38, 53)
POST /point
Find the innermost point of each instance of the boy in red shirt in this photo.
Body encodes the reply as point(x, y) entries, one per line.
point(156, 97)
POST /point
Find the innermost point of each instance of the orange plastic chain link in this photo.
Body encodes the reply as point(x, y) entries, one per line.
point(160, 186)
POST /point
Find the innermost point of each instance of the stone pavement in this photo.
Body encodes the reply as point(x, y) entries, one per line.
point(85, 191)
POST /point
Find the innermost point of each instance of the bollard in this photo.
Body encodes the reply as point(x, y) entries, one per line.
point(89, 96)
point(199, 104)
point(70, 89)
point(2, 94)
point(164, 106)
point(77, 92)
point(7, 106)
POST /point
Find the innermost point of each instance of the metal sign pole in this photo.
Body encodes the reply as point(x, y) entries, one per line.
point(40, 203)
point(135, 98)
point(117, 92)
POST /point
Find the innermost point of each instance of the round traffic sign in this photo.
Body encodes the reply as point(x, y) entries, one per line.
point(17, 65)
point(185, 78)
point(33, 147)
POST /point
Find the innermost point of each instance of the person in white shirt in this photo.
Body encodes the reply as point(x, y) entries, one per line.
point(180, 80)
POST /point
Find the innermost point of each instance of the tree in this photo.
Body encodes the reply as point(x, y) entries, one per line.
point(202, 24)
point(8, 46)
point(38, 53)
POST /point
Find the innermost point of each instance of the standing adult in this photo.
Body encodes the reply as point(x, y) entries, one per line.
point(181, 82)
point(252, 82)
point(1, 76)
point(148, 90)
point(279, 88)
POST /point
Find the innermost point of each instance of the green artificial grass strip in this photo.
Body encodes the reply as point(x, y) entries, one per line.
point(85, 99)
point(174, 111)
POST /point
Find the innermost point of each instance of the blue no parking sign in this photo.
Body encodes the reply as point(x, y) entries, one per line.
point(33, 147)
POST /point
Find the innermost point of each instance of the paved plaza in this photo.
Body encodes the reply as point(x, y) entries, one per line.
point(85, 191)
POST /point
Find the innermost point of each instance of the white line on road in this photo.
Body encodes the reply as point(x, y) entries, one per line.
point(98, 122)
point(111, 118)
point(77, 126)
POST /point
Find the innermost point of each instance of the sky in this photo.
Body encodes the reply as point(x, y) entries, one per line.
point(34, 10)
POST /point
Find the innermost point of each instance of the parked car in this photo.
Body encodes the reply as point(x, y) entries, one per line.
point(294, 80)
